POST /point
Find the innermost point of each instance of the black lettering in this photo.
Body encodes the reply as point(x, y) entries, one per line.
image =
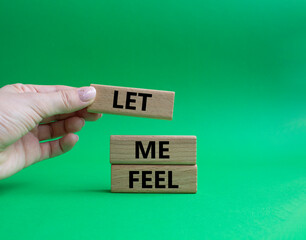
point(145, 154)
point(132, 179)
point(144, 96)
point(145, 179)
point(158, 179)
point(170, 185)
point(115, 101)
point(129, 100)
point(162, 149)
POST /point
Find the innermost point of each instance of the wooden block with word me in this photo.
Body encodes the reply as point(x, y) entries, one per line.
point(133, 101)
point(154, 178)
point(128, 149)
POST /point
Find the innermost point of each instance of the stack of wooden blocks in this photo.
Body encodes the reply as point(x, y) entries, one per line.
point(147, 163)
point(153, 164)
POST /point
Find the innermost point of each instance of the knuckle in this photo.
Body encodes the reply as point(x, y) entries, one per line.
point(66, 99)
point(19, 87)
point(13, 87)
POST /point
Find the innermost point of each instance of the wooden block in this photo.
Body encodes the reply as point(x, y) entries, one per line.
point(127, 149)
point(154, 178)
point(133, 101)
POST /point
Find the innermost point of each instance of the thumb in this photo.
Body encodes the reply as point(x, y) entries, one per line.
point(65, 101)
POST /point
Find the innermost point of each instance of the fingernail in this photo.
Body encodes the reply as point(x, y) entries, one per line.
point(83, 122)
point(77, 138)
point(87, 94)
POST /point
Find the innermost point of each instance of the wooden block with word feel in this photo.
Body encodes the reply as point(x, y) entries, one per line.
point(133, 101)
point(154, 178)
point(128, 149)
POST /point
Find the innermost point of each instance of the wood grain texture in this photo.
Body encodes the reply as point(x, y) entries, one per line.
point(174, 178)
point(129, 149)
point(114, 100)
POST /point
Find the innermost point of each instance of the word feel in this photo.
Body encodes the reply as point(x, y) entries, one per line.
point(147, 179)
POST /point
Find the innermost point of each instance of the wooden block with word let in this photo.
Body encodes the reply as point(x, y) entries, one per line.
point(133, 102)
point(129, 149)
point(154, 178)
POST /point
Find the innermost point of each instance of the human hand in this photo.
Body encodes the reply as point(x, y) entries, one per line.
point(31, 113)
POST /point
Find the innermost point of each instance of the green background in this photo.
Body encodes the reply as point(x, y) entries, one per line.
point(238, 69)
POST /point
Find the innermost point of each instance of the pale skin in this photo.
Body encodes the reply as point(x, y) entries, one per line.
point(30, 114)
